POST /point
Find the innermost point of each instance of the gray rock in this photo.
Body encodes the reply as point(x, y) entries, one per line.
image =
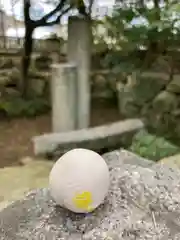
point(37, 86)
point(143, 203)
point(174, 85)
point(165, 102)
point(4, 80)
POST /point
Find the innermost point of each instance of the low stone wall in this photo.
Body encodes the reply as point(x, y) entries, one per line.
point(156, 98)
point(103, 82)
point(14, 43)
point(39, 72)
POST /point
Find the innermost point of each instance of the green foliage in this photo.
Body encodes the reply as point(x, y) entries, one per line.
point(152, 147)
point(17, 107)
point(137, 26)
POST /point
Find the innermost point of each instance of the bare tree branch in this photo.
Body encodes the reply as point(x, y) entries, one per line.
point(41, 23)
point(57, 9)
point(90, 6)
point(27, 5)
point(62, 7)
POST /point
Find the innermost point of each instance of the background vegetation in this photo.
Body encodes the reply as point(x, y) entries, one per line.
point(138, 36)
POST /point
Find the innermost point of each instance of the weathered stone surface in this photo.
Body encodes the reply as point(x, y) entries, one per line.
point(136, 93)
point(174, 85)
point(138, 86)
point(64, 99)
point(15, 75)
point(43, 62)
point(126, 100)
point(126, 104)
point(106, 136)
point(7, 63)
point(79, 48)
point(165, 102)
point(143, 203)
point(4, 80)
point(101, 86)
point(147, 87)
point(37, 86)
point(151, 95)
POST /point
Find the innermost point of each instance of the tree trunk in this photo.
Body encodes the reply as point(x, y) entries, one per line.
point(30, 26)
point(26, 60)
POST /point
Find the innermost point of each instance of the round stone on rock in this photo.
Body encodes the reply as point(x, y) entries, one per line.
point(79, 180)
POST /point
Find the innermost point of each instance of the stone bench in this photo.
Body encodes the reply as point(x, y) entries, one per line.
point(107, 137)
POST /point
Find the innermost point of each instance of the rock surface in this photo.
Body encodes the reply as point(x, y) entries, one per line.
point(159, 107)
point(143, 203)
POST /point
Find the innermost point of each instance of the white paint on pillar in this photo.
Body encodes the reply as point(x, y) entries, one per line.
point(79, 52)
point(63, 92)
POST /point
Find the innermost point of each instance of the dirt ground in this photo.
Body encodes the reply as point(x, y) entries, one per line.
point(16, 134)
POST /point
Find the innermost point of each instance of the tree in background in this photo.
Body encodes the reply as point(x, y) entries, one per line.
point(152, 26)
point(61, 7)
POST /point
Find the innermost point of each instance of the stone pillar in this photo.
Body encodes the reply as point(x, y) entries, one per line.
point(63, 92)
point(79, 52)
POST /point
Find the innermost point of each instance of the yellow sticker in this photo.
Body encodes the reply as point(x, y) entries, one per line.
point(83, 201)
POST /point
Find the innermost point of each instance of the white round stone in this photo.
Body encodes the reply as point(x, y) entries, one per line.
point(79, 180)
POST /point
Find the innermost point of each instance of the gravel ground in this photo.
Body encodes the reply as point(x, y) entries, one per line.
point(143, 203)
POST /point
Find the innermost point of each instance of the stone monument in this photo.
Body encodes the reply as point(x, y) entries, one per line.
point(79, 52)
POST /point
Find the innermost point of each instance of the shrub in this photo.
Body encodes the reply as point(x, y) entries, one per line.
point(17, 107)
point(152, 147)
